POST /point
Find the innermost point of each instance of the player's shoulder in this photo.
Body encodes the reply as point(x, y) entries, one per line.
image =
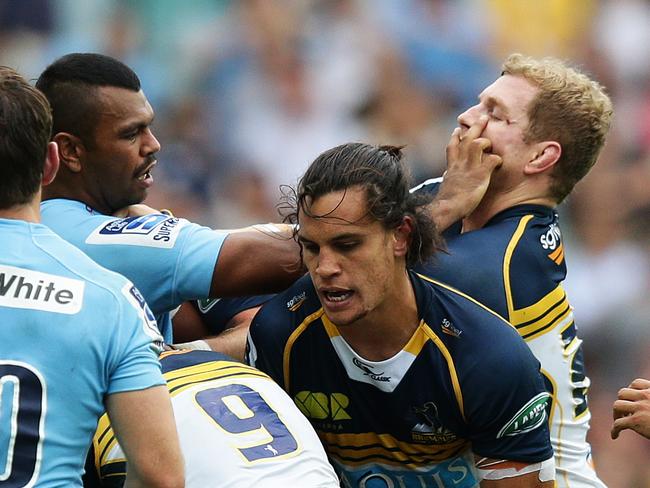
point(459, 318)
point(68, 260)
point(290, 308)
point(280, 317)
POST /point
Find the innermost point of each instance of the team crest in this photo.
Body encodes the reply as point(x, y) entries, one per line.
point(430, 429)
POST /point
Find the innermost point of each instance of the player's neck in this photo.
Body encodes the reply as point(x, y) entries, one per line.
point(387, 329)
point(74, 192)
point(493, 204)
point(29, 212)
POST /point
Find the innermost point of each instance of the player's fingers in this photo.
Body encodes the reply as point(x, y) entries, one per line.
point(620, 424)
point(623, 408)
point(453, 144)
point(492, 160)
point(476, 129)
point(631, 394)
point(640, 384)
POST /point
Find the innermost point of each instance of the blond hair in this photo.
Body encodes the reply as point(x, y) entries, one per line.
point(570, 108)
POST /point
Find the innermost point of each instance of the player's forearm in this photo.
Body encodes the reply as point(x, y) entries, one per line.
point(257, 260)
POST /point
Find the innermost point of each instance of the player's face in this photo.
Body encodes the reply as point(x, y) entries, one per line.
point(118, 162)
point(351, 257)
point(506, 103)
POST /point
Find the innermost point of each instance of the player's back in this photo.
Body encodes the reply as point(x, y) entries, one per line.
point(237, 428)
point(59, 348)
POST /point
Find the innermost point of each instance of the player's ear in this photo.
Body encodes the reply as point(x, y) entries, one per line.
point(544, 157)
point(71, 149)
point(402, 236)
point(51, 165)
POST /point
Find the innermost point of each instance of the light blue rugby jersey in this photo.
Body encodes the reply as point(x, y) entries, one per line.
point(70, 333)
point(170, 260)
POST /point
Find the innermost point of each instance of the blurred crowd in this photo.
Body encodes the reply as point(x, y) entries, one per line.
point(248, 92)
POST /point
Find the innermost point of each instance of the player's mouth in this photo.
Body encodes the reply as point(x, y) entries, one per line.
point(144, 176)
point(336, 298)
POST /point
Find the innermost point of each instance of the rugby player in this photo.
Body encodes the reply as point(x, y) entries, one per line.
point(237, 429)
point(75, 338)
point(548, 123)
point(407, 381)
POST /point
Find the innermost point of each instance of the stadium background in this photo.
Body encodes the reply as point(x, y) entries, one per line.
point(248, 92)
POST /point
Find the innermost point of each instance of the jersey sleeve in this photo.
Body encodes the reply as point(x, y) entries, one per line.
point(506, 404)
point(217, 312)
point(267, 337)
point(169, 259)
point(135, 342)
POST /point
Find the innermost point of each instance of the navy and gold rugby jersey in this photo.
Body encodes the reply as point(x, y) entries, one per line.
point(515, 265)
point(464, 384)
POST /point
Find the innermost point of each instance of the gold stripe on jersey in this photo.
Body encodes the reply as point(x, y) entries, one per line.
point(418, 340)
point(213, 370)
point(510, 249)
point(558, 315)
point(450, 364)
point(557, 256)
point(464, 295)
point(536, 311)
point(286, 356)
point(361, 449)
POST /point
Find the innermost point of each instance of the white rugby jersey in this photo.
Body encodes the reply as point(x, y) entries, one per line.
point(237, 429)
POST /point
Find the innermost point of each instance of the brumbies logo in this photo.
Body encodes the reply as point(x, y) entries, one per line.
point(528, 418)
point(368, 371)
point(430, 430)
point(154, 230)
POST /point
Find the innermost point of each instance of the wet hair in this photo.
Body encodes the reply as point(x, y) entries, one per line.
point(25, 126)
point(380, 172)
point(570, 108)
point(70, 84)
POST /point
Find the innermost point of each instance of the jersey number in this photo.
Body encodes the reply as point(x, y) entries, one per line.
point(257, 416)
point(21, 409)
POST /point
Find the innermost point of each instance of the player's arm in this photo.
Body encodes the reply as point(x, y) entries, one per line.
point(469, 168)
point(231, 341)
point(143, 422)
point(257, 260)
point(632, 409)
point(252, 261)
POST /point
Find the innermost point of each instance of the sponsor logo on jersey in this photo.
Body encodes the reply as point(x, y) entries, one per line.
point(155, 230)
point(430, 429)
point(458, 472)
point(528, 418)
point(368, 370)
point(551, 238)
point(449, 329)
point(296, 301)
point(321, 406)
point(24, 288)
point(205, 304)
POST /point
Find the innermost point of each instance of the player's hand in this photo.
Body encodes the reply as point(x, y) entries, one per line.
point(469, 168)
point(137, 210)
point(632, 409)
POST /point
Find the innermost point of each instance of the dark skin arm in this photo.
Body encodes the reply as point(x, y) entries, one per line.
point(257, 260)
